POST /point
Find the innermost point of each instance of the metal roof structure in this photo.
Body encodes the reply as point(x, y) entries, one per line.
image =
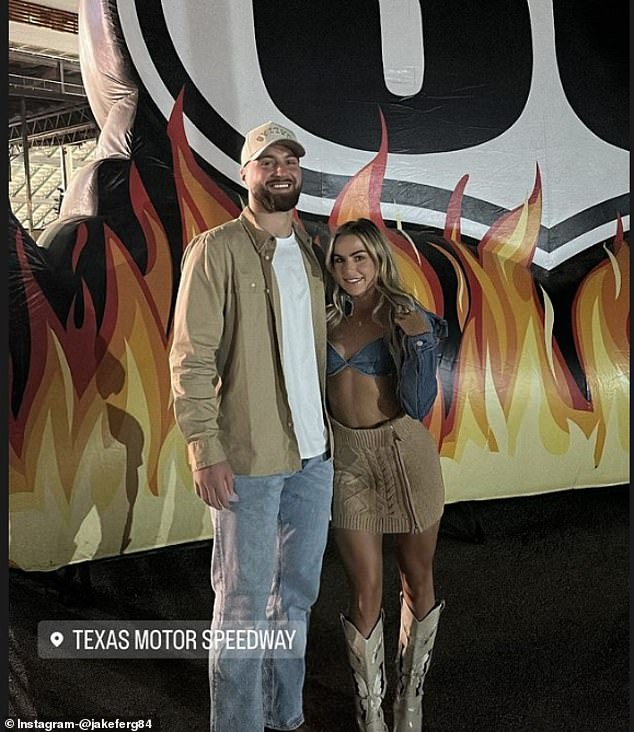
point(51, 129)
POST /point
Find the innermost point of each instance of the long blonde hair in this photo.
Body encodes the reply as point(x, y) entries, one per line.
point(388, 281)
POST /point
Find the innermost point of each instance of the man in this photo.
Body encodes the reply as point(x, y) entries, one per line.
point(248, 374)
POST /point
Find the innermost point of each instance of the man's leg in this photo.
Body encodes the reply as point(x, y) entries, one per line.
point(243, 567)
point(304, 516)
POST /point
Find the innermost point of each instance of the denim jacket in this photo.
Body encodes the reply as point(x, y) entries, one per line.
point(418, 385)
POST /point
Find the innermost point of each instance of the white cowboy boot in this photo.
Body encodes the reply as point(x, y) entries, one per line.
point(367, 660)
point(416, 642)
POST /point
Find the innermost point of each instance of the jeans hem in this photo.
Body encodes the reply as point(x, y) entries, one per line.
point(294, 726)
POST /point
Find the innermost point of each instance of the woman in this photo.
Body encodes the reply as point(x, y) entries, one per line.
point(381, 382)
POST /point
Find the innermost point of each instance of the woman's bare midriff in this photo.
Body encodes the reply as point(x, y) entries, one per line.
point(361, 401)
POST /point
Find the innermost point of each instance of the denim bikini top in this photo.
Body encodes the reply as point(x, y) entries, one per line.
point(374, 359)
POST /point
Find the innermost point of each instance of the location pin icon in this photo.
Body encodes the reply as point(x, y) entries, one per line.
point(57, 639)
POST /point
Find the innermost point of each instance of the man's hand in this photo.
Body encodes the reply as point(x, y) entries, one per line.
point(214, 484)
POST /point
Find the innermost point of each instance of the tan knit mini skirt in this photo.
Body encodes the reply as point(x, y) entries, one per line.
point(387, 479)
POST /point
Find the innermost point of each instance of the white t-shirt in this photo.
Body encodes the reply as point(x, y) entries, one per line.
point(299, 359)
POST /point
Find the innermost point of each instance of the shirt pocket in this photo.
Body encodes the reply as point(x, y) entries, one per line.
point(251, 298)
point(247, 285)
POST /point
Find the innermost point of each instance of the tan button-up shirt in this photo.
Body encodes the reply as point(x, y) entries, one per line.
point(227, 380)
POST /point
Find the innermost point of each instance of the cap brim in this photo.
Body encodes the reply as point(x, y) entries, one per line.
point(291, 144)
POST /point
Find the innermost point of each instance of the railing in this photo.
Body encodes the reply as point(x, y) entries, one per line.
point(58, 87)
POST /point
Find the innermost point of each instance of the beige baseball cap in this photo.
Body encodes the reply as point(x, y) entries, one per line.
point(259, 138)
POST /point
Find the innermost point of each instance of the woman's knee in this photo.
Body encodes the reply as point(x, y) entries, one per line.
point(416, 575)
point(367, 589)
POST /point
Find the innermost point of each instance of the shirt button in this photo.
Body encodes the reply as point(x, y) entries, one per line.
point(419, 343)
point(253, 284)
point(267, 256)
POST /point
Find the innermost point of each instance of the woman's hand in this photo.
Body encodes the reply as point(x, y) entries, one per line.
point(413, 323)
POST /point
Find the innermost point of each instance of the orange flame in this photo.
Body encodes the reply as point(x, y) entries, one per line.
point(203, 204)
point(504, 332)
point(361, 196)
point(601, 327)
point(117, 373)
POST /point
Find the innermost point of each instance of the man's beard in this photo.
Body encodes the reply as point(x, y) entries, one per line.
point(272, 202)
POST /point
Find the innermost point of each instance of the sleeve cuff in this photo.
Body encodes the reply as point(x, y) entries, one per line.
point(204, 452)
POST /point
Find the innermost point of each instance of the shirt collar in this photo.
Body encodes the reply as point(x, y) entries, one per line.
point(261, 237)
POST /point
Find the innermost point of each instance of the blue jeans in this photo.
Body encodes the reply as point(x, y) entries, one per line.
point(266, 564)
